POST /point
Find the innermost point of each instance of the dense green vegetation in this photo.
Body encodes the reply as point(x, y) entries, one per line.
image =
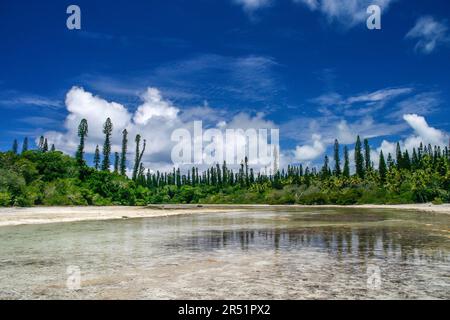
point(46, 176)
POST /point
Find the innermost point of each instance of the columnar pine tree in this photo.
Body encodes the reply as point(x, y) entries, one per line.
point(45, 147)
point(368, 163)
point(123, 156)
point(337, 159)
point(359, 159)
point(325, 169)
point(82, 133)
point(398, 153)
point(247, 181)
point(15, 147)
point(97, 158)
point(41, 143)
point(116, 162)
point(53, 148)
point(407, 161)
point(390, 161)
point(382, 167)
point(346, 171)
point(25, 145)
point(415, 163)
point(224, 173)
point(138, 156)
point(107, 130)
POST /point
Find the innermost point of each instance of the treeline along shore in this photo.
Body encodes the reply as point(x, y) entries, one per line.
point(46, 176)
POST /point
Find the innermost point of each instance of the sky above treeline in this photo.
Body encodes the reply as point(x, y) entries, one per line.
point(310, 68)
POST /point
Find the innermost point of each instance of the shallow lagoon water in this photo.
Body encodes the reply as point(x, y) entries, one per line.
point(266, 254)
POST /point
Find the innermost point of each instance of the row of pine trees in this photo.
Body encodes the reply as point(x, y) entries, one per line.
point(220, 175)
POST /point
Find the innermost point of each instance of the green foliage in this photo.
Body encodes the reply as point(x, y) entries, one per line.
point(52, 178)
point(43, 177)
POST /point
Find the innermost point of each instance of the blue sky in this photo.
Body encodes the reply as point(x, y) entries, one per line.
point(308, 67)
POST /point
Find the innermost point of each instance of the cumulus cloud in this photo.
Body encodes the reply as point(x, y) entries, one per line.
point(344, 133)
point(148, 120)
point(155, 119)
point(346, 13)
point(345, 116)
point(310, 152)
point(423, 133)
point(429, 34)
point(153, 107)
point(372, 114)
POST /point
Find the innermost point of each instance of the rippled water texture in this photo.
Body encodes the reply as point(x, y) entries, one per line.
point(298, 254)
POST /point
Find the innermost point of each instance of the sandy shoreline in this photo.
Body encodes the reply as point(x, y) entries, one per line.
point(45, 215)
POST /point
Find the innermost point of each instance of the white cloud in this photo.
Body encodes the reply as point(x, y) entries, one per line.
point(30, 100)
point(346, 13)
point(252, 5)
point(154, 107)
point(155, 120)
point(423, 133)
point(380, 95)
point(423, 103)
point(310, 152)
point(346, 116)
point(149, 120)
point(360, 104)
point(429, 33)
point(344, 133)
point(311, 4)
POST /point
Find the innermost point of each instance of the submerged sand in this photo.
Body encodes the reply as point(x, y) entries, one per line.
point(45, 215)
point(291, 253)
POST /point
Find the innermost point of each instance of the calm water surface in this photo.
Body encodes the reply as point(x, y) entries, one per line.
point(298, 254)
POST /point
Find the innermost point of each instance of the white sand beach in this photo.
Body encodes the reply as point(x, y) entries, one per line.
point(44, 215)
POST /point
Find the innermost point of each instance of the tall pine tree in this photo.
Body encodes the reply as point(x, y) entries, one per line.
point(138, 156)
point(359, 159)
point(346, 171)
point(398, 153)
point(107, 130)
point(15, 147)
point(45, 147)
point(97, 158)
point(41, 143)
point(123, 156)
point(116, 162)
point(25, 145)
point(337, 159)
point(82, 134)
point(325, 169)
point(382, 167)
point(368, 163)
